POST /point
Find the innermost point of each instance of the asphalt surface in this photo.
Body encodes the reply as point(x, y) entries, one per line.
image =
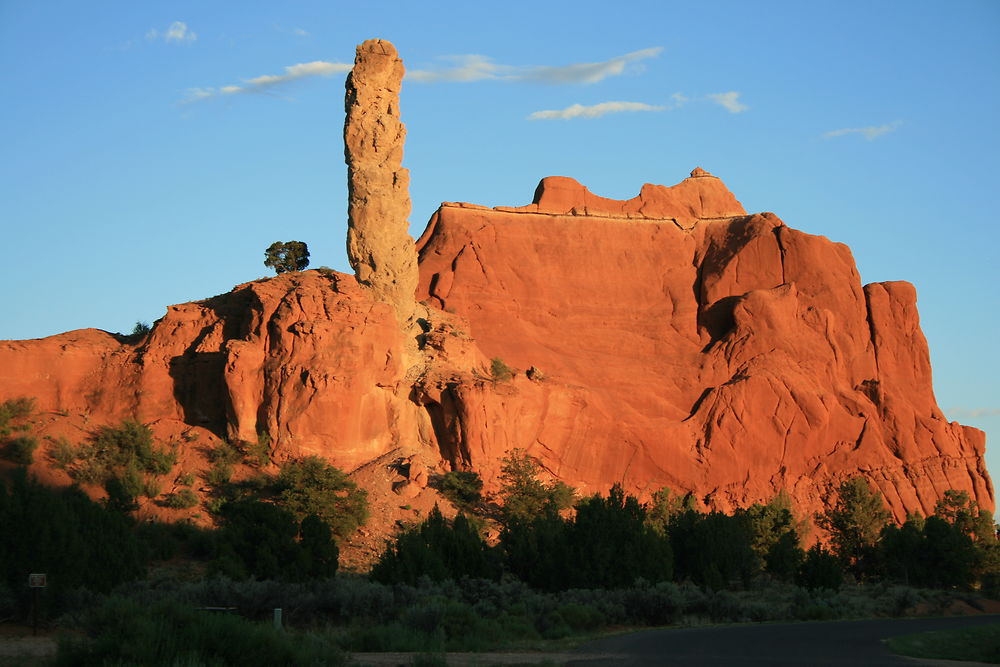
point(854, 643)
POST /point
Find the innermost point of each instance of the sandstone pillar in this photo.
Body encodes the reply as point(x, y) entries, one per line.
point(379, 246)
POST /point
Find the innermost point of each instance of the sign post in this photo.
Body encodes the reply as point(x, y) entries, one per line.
point(36, 581)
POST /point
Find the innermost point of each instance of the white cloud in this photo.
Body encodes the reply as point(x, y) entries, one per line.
point(976, 413)
point(593, 111)
point(870, 133)
point(589, 72)
point(467, 68)
point(175, 32)
point(199, 93)
point(730, 100)
point(477, 68)
point(263, 83)
point(178, 32)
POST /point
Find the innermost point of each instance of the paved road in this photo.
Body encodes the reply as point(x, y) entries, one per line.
point(853, 643)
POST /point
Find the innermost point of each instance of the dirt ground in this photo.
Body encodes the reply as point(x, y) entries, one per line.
point(18, 646)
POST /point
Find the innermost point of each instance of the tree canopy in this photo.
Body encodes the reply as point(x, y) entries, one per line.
point(855, 523)
point(284, 256)
point(524, 495)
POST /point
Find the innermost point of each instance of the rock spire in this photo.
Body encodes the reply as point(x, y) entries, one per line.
point(379, 246)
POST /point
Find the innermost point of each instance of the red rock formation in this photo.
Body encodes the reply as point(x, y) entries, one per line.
point(379, 246)
point(705, 350)
point(689, 345)
point(311, 360)
point(698, 197)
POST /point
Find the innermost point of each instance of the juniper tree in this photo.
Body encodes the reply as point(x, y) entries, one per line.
point(284, 256)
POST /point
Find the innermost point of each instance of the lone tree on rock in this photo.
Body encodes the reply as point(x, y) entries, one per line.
point(287, 256)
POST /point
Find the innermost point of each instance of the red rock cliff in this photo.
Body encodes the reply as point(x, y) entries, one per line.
point(680, 343)
point(689, 345)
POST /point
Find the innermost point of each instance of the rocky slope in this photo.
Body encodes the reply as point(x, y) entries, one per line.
point(675, 340)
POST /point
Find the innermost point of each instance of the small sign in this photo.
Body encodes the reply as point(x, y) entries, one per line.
point(36, 580)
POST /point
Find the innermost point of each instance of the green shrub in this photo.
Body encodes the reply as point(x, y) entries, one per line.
point(15, 408)
point(123, 490)
point(437, 549)
point(608, 544)
point(150, 488)
point(499, 370)
point(187, 479)
point(259, 453)
point(122, 631)
point(21, 449)
point(524, 496)
point(462, 487)
point(62, 454)
point(225, 452)
point(113, 449)
point(181, 499)
point(262, 540)
point(65, 534)
point(820, 569)
point(313, 486)
point(219, 474)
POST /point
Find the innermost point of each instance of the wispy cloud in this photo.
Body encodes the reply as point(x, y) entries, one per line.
point(465, 69)
point(266, 82)
point(975, 413)
point(592, 111)
point(468, 68)
point(298, 32)
point(604, 108)
point(870, 133)
point(589, 72)
point(176, 32)
point(730, 100)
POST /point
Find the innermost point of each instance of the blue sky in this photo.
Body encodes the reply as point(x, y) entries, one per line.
point(153, 150)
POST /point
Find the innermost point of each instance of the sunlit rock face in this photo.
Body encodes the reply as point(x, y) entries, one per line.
point(379, 246)
point(687, 344)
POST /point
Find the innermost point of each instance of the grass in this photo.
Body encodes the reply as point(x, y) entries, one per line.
point(979, 644)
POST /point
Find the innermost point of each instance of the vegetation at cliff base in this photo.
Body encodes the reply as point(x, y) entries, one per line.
point(312, 486)
point(170, 632)
point(558, 565)
point(120, 452)
point(302, 487)
point(523, 495)
point(14, 414)
point(463, 488)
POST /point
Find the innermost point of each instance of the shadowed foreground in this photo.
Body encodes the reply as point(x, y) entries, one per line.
point(827, 643)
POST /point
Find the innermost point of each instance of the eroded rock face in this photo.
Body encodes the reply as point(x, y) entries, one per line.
point(729, 356)
point(686, 344)
point(312, 361)
point(379, 246)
